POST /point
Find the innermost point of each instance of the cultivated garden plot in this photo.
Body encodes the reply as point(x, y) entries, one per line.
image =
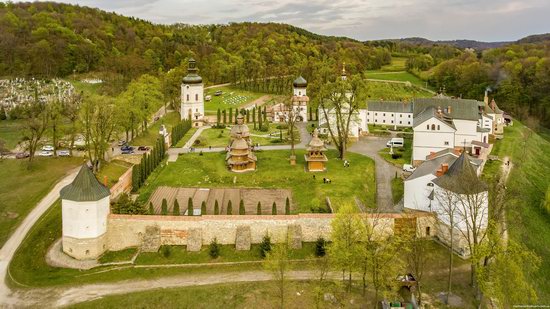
point(230, 98)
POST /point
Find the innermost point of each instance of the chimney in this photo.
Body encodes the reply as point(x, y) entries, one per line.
point(486, 99)
point(439, 172)
point(444, 167)
point(439, 110)
point(449, 109)
point(431, 156)
point(105, 181)
point(493, 104)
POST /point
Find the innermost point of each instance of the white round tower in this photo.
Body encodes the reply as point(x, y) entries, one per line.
point(85, 207)
point(192, 95)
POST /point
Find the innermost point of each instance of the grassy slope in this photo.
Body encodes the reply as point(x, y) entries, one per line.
point(21, 189)
point(528, 222)
point(149, 138)
point(10, 132)
point(222, 102)
point(274, 171)
point(113, 170)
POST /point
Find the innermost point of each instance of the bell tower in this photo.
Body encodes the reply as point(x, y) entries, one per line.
point(192, 95)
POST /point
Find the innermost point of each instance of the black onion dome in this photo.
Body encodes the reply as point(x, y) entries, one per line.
point(192, 76)
point(300, 82)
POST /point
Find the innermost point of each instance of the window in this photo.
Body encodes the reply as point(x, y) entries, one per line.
point(196, 97)
point(368, 114)
point(87, 252)
point(427, 231)
point(384, 121)
point(375, 114)
point(392, 121)
point(438, 128)
point(427, 127)
point(384, 114)
point(400, 115)
point(400, 121)
point(299, 93)
point(433, 127)
point(392, 115)
point(375, 120)
point(196, 110)
point(409, 122)
point(187, 98)
point(409, 116)
point(446, 143)
point(430, 184)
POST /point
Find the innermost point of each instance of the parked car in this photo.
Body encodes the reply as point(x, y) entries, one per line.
point(126, 148)
point(47, 148)
point(408, 168)
point(395, 142)
point(143, 148)
point(121, 142)
point(208, 98)
point(22, 155)
point(64, 153)
point(45, 153)
point(128, 151)
point(218, 93)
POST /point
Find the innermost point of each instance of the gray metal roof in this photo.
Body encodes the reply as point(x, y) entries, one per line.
point(428, 113)
point(390, 106)
point(461, 178)
point(300, 82)
point(85, 188)
point(192, 76)
point(441, 157)
point(460, 108)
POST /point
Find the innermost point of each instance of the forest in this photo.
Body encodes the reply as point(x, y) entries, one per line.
point(46, 39)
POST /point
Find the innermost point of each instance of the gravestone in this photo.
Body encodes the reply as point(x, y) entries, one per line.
point(194, 240)
point(151, 239)
point(242, 240)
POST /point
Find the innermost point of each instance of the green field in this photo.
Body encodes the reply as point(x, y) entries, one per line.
point(393, 91)
point(150, 136)
point(21, 189)
point(10, 132)
point(529, 222)
point(112, 170)
point(274, 171)
point(231, 98)
point(186, 137)
point(221, 137)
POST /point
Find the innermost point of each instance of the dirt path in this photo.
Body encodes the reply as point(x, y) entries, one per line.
point(258, 102)
point(506, 168)
point(15, 240)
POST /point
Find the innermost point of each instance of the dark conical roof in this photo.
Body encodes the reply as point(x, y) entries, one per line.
point(192, 76)
point(85, 188)
point(461, 177)
point(300, 82)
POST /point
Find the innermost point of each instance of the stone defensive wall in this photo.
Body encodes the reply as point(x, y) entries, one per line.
point(151, 231)
point(123, 185)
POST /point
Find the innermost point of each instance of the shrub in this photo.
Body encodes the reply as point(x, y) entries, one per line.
point(274, 209)
point(259, 208)
point(229, 208)
point(214, 249)
point(164, 207)
point(216, 208)
point(265, 246)
point(151, 208)
point(287, 206)
point(396, 156)
point(241, 208)
point(176, 210)
point(203, 208)
point(320, 247)
point(166, 251)
point(190, 207)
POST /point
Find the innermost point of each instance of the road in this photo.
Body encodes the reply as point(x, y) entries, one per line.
point(385, 172)
point(9, 248)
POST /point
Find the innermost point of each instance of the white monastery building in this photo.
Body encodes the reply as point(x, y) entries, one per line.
point(192, 96)
point(280, 112)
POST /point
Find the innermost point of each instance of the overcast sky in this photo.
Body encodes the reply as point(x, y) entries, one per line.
point(484, 20)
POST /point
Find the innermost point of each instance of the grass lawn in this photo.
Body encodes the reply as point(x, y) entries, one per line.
point(231, 97)
point(21, 189)
point(186, 137)
point(397, 189)
point(180, 255)
point(149, 138)
point(10, 132)
point(274, 171)
point(529, 222)
point(392, 91)
point(118, 256)
point(405, 152)
point(113, 170)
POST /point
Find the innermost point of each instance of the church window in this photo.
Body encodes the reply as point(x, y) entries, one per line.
point(438, 128)
point(196, 97)
point(87, 252)
point(392, 121)
point(384, 114)
point(187, 98)
point(409, 116)
point(409, 122)
point(375, 114)
point(197, 110)
point(400, 121)
point(446, 143)
point(392, 115)
point(299, 93)
point(400, 115)
point(433, 127)
point(427, 231)
point(427, 127)
point(384, 121)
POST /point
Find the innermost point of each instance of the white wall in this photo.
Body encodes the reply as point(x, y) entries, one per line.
point(462, 211)
point(192, 98)
point(85, 219)
point(389, 118)
point(300, 92)
point(465, 130)
point(427, 140)
point(354, 125)
point(417, 192)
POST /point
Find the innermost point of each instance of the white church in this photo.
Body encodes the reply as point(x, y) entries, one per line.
point(280, 112)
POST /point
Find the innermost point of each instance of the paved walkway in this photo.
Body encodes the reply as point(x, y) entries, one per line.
point(9, 248)
point(385, 172)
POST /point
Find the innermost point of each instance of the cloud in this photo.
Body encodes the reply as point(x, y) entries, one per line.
point(488, 20)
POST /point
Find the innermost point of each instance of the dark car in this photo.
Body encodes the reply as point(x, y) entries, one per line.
point(143, 148)
point(126, 148)
point(22, 155)
point(128, 151)
point(218, 93)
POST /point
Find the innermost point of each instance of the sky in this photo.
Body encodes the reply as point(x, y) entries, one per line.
point(483, 20)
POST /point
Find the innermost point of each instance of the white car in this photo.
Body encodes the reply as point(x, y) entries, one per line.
point(408, 168)
point(45, 153)
point(47, 148)
point(63, 153)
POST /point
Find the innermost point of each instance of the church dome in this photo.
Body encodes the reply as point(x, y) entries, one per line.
point(240, 129)
point(192, 76)
point(239, 144)
point(300, 82)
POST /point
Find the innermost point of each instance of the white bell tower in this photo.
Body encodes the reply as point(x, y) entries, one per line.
point(192, 96)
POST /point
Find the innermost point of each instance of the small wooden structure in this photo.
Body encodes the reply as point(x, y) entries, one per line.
point(239, 156)
point(315, 156)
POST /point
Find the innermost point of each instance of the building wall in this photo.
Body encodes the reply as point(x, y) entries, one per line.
point(426, 140)
point(466, 130)
point(124, 184)
point(389, 118)
point(417, 192)
point(82, 220)
point(355, 129)
point(300, 91)
point(128, 231)
point(192, 98)
point(85, 248)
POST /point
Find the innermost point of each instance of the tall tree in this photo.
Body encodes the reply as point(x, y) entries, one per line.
point(36, 123)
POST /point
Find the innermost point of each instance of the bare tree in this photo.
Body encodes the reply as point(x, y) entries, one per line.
point(277, 262)
point(99, 124)
point(36, 123)
point(418, 257)
point(339, 104)
point(54, 112)
point(71, 109)
point(291, 122)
